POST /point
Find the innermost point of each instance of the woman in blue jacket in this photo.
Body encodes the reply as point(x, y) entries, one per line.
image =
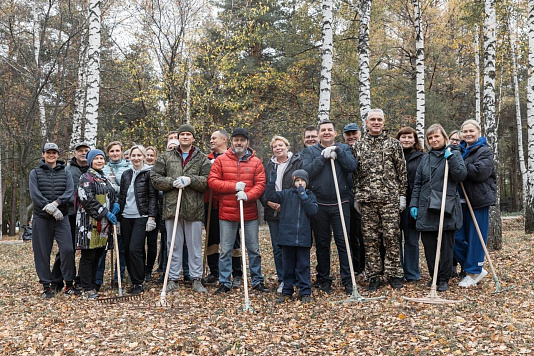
point(481, 188)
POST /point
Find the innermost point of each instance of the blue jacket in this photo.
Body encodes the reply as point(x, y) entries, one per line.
point(294, 224)
point(320, 172)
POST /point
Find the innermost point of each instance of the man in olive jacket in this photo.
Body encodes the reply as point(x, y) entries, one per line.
point(184, 167)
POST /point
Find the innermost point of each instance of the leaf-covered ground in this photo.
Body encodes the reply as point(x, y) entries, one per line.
point(484, 323)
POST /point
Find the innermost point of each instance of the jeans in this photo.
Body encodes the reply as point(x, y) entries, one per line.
point(328, 216)
point(277, 251)
point(229, 230)
point(409, 254)
point(467, 247)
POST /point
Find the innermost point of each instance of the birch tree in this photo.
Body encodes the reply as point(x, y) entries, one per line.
point(80, 99)
point(529, 201)
point(477, 75)
point(364, 76)
point(419, 72)
point(327, 50)
point(37, 50)
point(93, 73)
point(490, 120)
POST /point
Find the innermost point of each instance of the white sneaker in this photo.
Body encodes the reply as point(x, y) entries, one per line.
point(467, 282)
point(198, 287)
point(172, 286)
point(481, 275)
point(280, 287)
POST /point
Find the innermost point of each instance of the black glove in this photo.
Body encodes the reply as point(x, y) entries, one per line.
point(272, 176)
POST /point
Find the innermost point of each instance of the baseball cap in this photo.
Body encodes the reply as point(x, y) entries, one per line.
point(82, 144)
point(351, 127)
point(240, 132)
point(50, 146)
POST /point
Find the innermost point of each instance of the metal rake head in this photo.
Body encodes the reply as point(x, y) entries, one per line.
point(124, 298)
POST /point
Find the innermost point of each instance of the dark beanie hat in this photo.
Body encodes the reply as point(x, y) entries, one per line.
point(186, 128)
point(92, 154)
point(301, 173)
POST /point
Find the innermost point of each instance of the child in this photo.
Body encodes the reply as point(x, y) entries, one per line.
point(297, 205)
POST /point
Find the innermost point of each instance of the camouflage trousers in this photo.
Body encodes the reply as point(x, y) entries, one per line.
point(381, 220)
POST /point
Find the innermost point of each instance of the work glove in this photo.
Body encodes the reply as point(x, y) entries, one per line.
point(241, 195)
point(413, 212)
point(181, 182)
point(240, 186)
point(50, 208)
point(58, 215)
point(150, 225)
point(272, 176)
point(212, 160)
point(329, 152)
point(357, 206)
point(302, 192)
point(116, 209)
point(402, 202)
point(112, 218)
point(447, 154)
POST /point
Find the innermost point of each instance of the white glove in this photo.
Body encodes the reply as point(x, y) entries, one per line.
point(357, 206)
point(239, 186)
point(58, 215)
point(50, 208)
point(402, 203)
point(329, 152)
point(212, 160)
point(241, 195)
point(181, 182)
point(150, 224)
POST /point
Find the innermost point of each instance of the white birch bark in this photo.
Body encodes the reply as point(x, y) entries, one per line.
point(529, 206)
point(419, 73)
point(37, 51)
point(490, 120)
point(80, 98)
point(518, 116)
point(327, 52)
point(477, 71)
point(364, 76)
point(93, 73)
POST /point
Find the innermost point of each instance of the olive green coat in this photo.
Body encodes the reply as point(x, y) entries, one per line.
point(168, 167)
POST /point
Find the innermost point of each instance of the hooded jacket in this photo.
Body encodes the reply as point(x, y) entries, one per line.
point(227, 170)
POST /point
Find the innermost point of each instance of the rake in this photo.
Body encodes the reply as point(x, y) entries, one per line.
point(247, 306)
point(120, 297)
point(498, 288)
point(433, 297)
point(356, 296)
point(208, 225)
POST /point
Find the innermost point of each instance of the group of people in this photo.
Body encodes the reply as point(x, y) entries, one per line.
point(387, 189)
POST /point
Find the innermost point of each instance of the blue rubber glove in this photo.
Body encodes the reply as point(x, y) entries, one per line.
point(116, 209)
point(302, 192)
point(413, 212)
point(447, 154)
point(112, 218)
point(272, 176)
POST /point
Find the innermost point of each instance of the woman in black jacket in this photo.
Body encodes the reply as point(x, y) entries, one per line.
point(138, 208)
point(409, 250)
point(481, 188)
point(285, 163)
point(430, 177)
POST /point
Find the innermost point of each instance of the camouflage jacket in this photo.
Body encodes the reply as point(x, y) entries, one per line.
point(170, 166)
point(381, 176)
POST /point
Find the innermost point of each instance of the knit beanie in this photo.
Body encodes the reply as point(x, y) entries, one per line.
point(301, 173)
point(92, 154)
point(186, 128)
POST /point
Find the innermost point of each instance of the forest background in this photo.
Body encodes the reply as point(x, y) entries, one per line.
point(228, 63)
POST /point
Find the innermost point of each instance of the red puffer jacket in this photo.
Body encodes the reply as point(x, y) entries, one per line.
point(225, 172)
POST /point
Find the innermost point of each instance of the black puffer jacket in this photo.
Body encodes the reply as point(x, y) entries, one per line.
point(146, 196)
point(412, 163)
point(429, 177)
point(481, 181)
point(76, 171)
point(49, 184)
point(295, 162)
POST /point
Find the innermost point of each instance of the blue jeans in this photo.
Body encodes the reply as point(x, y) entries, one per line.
point(229, 230)
point(409, 254)
point(277, 251)
point(467, 247)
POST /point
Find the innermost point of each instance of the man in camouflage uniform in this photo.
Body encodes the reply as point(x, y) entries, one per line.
point(184, 167)
point(379, 187)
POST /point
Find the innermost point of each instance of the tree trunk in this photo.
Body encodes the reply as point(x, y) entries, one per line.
point(93, 73)
point(36, 53)
point(80, 100)
point(490, 121)
point(13, 212)
point(529, 201)
point(477, 72)
point(419, 73)
point(327, 62)
point(364, 76)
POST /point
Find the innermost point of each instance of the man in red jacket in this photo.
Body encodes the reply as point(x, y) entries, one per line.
point(238, 175)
